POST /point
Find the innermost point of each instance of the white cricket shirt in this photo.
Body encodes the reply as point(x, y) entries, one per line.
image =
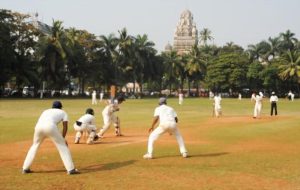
point(52, 115)
point(166, 114)
point(87, 119)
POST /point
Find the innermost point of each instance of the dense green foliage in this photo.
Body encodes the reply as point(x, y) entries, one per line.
point(72, 59)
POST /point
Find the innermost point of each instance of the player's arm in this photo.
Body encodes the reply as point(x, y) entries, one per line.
point(155, 120)
point(65, 130)
point(115, 107)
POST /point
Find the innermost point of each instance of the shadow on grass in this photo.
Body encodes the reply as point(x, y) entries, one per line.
point(108, 166)
point(210, 154)
point(95, 168)
point(52, 171)
point(198, 155)
point(112, 142)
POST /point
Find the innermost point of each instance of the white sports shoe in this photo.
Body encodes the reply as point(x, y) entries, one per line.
point(90, 142)
point(185, 155)
point(77, 140)
point(147, 156)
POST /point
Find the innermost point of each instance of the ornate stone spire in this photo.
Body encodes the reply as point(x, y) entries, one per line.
point(186, 33)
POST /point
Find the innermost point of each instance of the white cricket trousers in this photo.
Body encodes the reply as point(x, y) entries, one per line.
point(40, 133)
point(108, 120)
point(218, 110)
point(257, 110)
point(161, 129)
point(91, 129)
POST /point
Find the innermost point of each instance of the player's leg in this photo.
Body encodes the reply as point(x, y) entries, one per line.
point(259, 110)
point(91, 129)
point(275, 107)
point(78, 134)
point(104, 128)
point(180, 142)
point(152, 138)
point(37, 140)
point(62, 147)
point(255, 111)
point(272, 107)
point(216, 111)
point(117, 124)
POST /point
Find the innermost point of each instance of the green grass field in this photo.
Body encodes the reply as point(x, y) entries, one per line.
point(234, 152)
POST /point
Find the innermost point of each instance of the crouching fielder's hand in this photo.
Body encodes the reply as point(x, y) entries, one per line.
point(150, 130)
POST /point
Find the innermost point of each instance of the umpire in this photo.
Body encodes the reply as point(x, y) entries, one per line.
point(273, 100)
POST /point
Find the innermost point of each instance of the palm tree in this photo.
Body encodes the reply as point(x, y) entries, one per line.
point(144, 52)
point(288, 40)
point(260, 52)
point(127, 60)
point(205, 35)
point(53, 57)
point(290, 65)
point(231, 47)
point(274, 46)
point(173, 67)
point(195, 66)
point(108, 47)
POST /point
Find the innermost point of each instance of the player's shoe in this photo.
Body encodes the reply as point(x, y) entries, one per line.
point(26, 171)
point(77, 140)
point(73, 172)
point(147, 156)
point(90, 142)
point(96, 137)
point(185, 155)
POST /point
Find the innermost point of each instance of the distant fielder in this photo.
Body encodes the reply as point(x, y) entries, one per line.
point(180, 98)
point(94, 97)
point(101, 96)
point(258, 105)
point(110, 118)
point(217, 105)
point(47, 127)
point(86, 123)
point(167, 118)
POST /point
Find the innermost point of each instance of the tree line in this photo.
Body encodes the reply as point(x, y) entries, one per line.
point(68, 58)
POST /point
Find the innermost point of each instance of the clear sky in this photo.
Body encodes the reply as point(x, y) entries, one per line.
point(243, 22)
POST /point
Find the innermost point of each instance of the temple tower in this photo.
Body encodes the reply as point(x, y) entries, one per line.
point(186, 33)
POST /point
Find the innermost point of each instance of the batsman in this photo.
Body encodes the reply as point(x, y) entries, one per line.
point(108, 114)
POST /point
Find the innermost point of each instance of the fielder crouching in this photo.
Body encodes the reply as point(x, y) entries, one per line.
point(46, 127)
point(86, 123)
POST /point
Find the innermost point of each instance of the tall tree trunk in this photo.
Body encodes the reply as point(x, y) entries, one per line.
point(189, 87)
point(197, 87)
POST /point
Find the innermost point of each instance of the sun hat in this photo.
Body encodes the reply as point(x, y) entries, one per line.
point(162, 101)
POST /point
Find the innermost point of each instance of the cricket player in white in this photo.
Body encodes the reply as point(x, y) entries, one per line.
point(110, 118)
point(180, 98)
point(167, 123)
point(101, 96)
point(47, 127)
point(291, 95)
point(94, 97)
point(86, 123)
point(217, 105)
point(258, 105)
